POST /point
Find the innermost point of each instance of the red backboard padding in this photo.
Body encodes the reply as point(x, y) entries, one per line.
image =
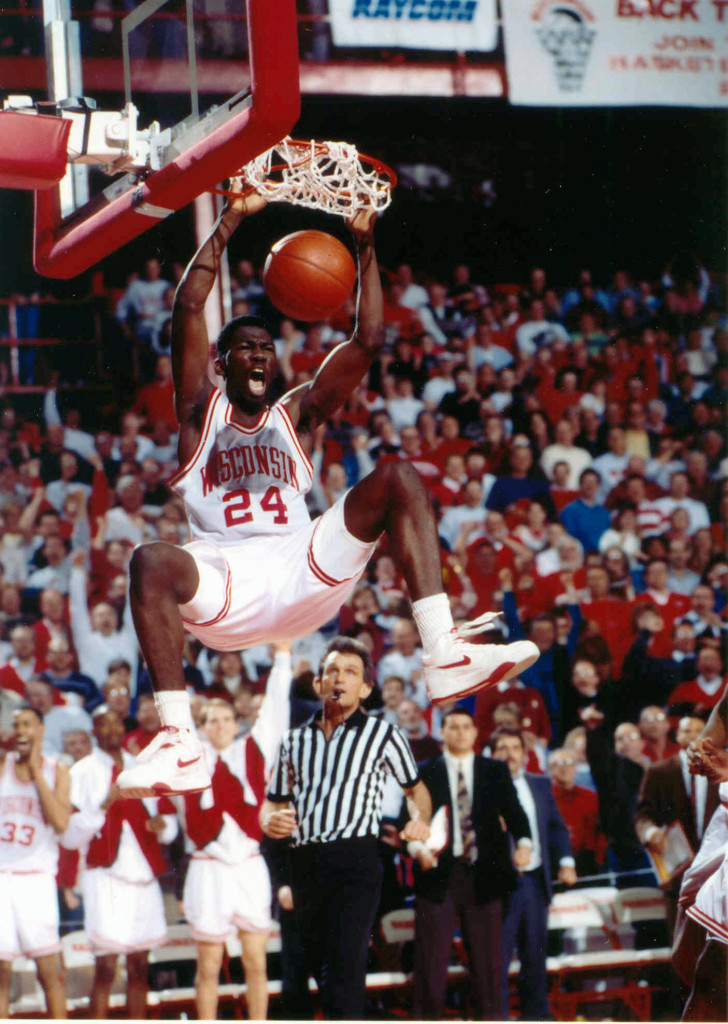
point(33, 149)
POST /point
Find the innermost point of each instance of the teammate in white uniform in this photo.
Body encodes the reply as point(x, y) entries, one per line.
point(704, 889)
point(257, 569)
point(34, 809)
point(227, 888)
point(122, 859)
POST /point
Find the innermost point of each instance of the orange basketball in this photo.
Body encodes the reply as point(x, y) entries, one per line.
point(309, 275)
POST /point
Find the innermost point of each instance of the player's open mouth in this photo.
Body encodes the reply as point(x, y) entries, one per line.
point(257, 381)
point(23, 746)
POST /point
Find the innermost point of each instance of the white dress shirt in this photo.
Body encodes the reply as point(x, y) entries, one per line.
point(701, 792)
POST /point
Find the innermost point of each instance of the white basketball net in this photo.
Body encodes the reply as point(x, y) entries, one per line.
point(328, 176)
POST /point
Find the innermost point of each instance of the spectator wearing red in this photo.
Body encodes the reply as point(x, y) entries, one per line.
point(703, 692)
point(23, 663)
point(611, 615)
point(533, 715)
point(411, 451)
point(155, 401)
point(579, 807)
point(654, 725)
point(149, 725)
point(53, 623)
point(670, 605)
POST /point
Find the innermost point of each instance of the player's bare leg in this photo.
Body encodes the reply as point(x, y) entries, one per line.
point(6, 977)
point(104, 971)
point(137, 967)
point(162, 577)
point(49, 976)
point(207, 975)
point(393, 500)
point(254, 946)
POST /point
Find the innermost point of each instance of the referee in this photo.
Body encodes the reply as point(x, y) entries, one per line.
point(326, 792)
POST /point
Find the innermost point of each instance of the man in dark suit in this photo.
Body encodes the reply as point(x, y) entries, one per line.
point(471, 876)
point(526, 919)
point(670, 793)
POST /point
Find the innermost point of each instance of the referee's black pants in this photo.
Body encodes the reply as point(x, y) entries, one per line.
point(336, 888)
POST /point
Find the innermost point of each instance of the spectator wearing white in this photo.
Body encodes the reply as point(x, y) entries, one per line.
point(624, 535)
point(12, 490)
point(442, 383)
point(612, 465)
point(131, 426)
point(564, 450)
point(127, 520)
point(678, 497)
point(22, 663)
point(56, 572)
point(438, 317)
point(473, 511)
point(392, 691)
point(57, 719)
point(565, 554)
point(482, 350)
point(413, 295)
point(681, 579)
point(142, 300)
point(405, 661)
point(96, 635)
point(502, 397)
point(58, 490)
point(403, 407)
point(75, 440)
point(538, 332)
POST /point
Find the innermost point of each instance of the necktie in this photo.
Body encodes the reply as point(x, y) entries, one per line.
point(465, 810)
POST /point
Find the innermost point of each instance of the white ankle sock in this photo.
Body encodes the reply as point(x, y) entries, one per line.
point(174, 708)
point(433, 618)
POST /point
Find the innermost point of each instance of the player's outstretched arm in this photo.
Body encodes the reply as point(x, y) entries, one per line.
point(345, 366)
point(190, 341)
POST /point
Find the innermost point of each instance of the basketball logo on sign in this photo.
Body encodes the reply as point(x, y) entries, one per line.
point(309, 275)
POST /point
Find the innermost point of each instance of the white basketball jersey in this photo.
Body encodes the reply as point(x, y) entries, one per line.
point(244, 481)
point(27, 842)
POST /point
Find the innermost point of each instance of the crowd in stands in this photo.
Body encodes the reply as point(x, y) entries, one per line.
point(573, 442)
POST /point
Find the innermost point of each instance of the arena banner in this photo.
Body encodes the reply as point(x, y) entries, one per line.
point(415, 24)
point(616, 52)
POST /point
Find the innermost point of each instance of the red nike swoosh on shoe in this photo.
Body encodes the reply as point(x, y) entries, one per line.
point(186, 764)
point(457, 664)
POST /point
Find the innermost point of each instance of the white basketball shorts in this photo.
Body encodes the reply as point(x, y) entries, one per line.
point(223, 898)
point(28, 915)
point(273, 588)
point(120, 916)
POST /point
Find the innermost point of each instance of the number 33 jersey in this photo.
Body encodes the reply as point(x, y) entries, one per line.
point(244, 481)
point(27, 842)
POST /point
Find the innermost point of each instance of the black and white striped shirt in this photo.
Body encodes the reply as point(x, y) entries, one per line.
point(335, 785)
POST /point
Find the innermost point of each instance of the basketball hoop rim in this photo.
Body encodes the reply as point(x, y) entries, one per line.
point(310, 148)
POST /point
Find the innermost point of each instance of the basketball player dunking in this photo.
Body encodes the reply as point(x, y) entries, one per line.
point(257, 569)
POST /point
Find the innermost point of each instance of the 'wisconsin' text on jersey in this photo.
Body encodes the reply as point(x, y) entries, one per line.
point(247, 461)
point(244, 481)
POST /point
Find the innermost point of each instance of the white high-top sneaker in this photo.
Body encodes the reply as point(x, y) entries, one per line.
point(173, 763)
point(454, 668)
